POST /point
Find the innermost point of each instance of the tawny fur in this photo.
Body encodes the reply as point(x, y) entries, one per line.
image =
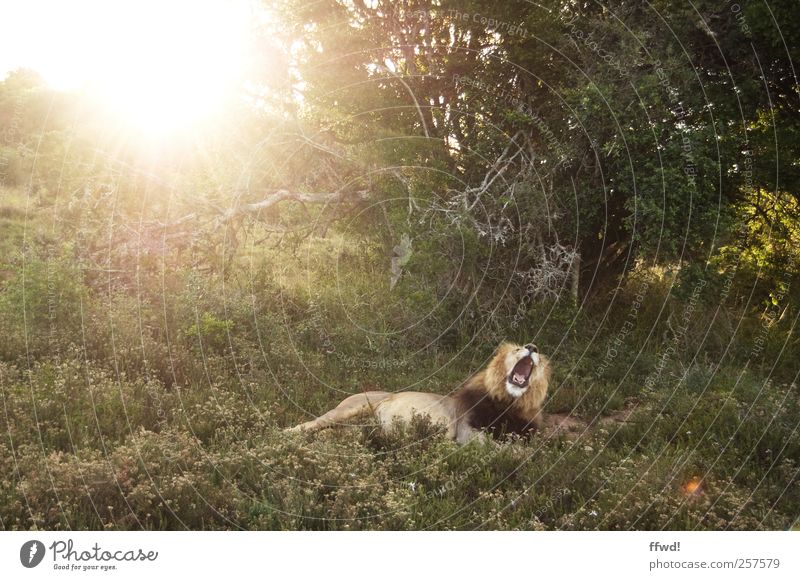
point(457, 411)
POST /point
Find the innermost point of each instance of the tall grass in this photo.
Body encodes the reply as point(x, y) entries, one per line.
point(156, 399)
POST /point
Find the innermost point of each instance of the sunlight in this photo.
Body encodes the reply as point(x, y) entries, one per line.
point(156, 66)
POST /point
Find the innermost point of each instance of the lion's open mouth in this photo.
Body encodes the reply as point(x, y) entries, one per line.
point(521, 372)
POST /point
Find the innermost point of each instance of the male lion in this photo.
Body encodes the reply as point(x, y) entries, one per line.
point(505, 397)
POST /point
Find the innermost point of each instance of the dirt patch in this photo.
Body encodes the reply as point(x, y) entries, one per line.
point(570, 426)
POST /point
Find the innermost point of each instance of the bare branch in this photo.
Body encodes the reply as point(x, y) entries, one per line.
point(284, 195)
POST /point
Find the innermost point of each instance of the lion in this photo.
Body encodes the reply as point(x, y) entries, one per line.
point(504, 398)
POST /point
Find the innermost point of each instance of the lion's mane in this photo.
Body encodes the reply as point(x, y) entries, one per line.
point(484, 402)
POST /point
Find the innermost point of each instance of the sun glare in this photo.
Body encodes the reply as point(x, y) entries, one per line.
point(155, 65)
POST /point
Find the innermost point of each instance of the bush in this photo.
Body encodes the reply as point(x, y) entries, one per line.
point(41, 305)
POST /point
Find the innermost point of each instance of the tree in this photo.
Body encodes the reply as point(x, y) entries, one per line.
point(619, 132)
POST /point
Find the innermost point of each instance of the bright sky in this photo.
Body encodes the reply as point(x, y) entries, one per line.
point(158, 62)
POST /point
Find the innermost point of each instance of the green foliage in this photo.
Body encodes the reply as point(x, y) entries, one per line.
point(41, 304)
point(210, 332)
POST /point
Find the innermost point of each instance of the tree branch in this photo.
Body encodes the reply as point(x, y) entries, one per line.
point(284, 195)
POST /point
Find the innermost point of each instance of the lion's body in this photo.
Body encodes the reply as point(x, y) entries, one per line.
point(484, 402)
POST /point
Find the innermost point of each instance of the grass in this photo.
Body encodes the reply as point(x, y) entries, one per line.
point(158, 402)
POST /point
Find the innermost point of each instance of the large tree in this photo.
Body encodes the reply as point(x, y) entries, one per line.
point(610, 132)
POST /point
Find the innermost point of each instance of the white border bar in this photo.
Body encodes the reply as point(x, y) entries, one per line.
point(404, 555)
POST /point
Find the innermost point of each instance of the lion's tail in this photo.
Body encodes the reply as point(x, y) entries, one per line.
point(352, 407)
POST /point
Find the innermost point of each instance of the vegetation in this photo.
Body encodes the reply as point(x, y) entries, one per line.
point(407, 185)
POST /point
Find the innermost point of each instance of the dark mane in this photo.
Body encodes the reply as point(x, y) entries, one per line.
point(500, 418)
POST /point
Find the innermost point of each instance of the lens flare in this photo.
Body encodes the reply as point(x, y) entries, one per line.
point(693, 487)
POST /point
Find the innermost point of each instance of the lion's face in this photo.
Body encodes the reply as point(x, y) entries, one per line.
point(520, 363)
